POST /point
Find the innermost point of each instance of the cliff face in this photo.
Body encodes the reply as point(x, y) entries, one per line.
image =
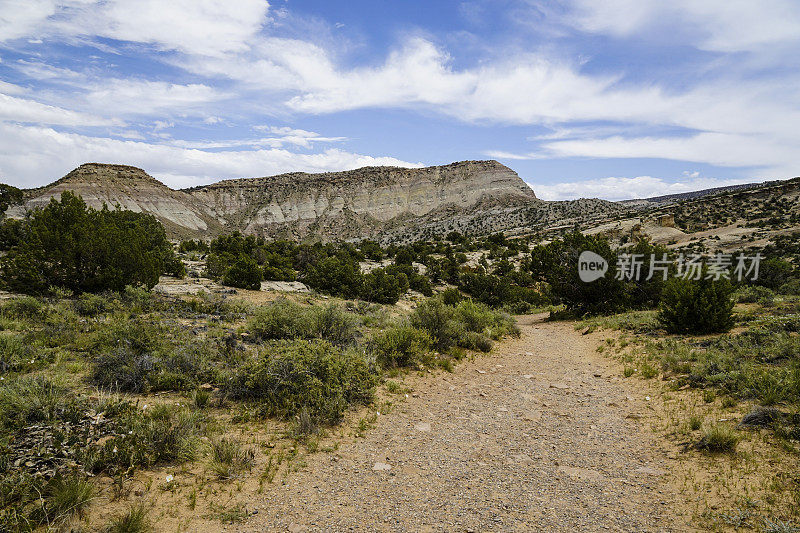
point(133, 189)
point(352, 203)
point(371, 202)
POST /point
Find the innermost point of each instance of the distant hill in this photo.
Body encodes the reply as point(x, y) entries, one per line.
point(370, 202)
point(677, 197)
point(389, 204)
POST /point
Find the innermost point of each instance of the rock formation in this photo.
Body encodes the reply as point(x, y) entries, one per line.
point(364, 201)
point(385, 203)
point(130, 188)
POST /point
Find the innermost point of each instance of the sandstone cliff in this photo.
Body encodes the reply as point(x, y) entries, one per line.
point(130, 188)
point(384, 203)
point(360, 202)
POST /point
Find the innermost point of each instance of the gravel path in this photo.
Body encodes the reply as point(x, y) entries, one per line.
point(538, 436)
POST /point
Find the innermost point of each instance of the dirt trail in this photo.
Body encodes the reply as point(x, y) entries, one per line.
point(541, 435)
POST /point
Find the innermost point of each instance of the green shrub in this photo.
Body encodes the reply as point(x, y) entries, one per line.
point(400, 346)
point(27, 308)
point(332, 323)
point(382, 288)
point(774, 272)
point(158, 434)
point(371, 250)
point(519, 308)
point(11, 233)
point(64, 496)
point(557, 264)
point(287, 377)
point(244, 274)
point(759, 365)
point(336, 275)
point(451, 296)
point(436, 318)
point(126, 354)
point(465, 325)
point(474, 316)
point(198, 245)
point(67, 244)
point(9, 196)
point(91, 305)
point(123, 369)
point(138, 299)
point(643, 293)
point(273, 273)
point(15, 355)
point(698, 307)
point(648, 371)
point(478, 318)
point(751, 294)
point(217, 265)
point(30, 400)
point(473, 340)
point(791, 287)
point(138, 356)
point(282, 319)
point(200, 397)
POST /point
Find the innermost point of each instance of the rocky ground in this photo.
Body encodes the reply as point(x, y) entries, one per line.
point(541, 435)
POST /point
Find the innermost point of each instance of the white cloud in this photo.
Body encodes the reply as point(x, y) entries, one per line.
point(718, 25)
point(525, 89)
point(129, 134)
point(142, 97)
point(417, 73)
point(613, 188)
point(25, 110)
point(40, 70)
point(500, 154)
point(775, 157)
point(729, 121)
point(209, 27)
point(20, 18)
point(50, 154)
point(162, 125)
point(304, 141)
point(10, 88)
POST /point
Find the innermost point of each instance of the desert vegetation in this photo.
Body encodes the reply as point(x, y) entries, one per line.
point(104, 378)
point(70, 246)
point(102, 384)
point(731, 398)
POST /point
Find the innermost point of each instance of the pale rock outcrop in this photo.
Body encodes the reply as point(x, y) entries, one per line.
point(131, 188)
point(383, 203)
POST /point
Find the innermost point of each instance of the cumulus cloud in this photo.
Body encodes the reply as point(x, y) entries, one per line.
point(209, 27)
point(49, 154)
point(732, 119)
point(20, 18)
point(284, 136)
point(614, 188)
point(717, 25)
point(774, 157)
point(143, 97)
point(10, 88)
point(24, 110)
point(753, 120)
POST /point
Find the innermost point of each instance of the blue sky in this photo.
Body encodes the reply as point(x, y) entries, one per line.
point(614, 99)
